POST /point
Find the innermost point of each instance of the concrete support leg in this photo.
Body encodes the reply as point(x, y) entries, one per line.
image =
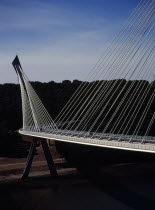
point(49, 158)
point(30, 159)
point(47, 154)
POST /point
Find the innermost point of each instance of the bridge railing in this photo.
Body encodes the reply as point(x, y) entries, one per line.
point(94, 136)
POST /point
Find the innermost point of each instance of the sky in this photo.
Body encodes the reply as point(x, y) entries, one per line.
point(57, 39)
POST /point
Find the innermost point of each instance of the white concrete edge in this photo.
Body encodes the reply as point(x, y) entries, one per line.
point(85, 143)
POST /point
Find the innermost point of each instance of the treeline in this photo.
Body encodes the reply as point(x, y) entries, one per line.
point(116, 106)
point(53, 95)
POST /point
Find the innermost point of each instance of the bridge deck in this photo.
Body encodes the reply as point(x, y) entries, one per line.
point(136, 145)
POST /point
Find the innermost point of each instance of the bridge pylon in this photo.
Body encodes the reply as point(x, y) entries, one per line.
point(33, 119)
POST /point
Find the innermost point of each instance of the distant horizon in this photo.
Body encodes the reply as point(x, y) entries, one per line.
point(45, 82)
point(73, 81)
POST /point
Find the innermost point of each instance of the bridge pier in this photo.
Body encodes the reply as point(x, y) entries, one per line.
point(47, 154)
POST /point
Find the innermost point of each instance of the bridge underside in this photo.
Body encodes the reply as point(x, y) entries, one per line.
point(107, 140)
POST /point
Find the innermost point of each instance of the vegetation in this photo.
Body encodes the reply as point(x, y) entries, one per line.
point(54, 96)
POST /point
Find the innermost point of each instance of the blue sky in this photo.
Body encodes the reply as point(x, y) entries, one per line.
point(57, 39)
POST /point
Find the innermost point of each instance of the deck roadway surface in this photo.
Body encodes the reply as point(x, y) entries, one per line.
point(115, 144)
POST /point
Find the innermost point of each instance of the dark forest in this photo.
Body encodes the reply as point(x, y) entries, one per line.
point(54, 96)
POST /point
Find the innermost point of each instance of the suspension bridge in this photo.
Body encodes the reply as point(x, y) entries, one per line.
point(115, 105)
